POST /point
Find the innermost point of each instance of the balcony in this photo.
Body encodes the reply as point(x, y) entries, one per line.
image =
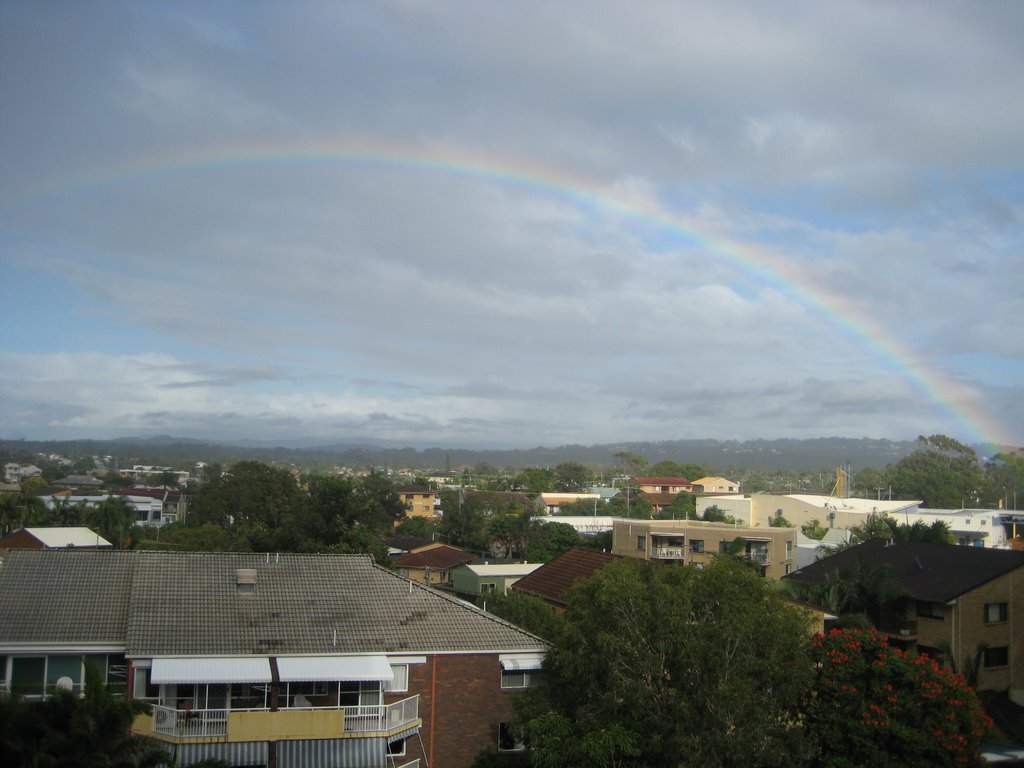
point(293, 723)
point(667, 553)
point(899, 629)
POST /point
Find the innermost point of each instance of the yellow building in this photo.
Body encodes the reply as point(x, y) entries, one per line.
point(419, 500)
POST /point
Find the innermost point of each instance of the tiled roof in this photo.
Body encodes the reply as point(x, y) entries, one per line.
point(169, 603)
point(552, 581)
point(436, 557)
point(932, 572)
point(65, 596)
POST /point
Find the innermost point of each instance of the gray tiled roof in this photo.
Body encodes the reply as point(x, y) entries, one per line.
point(188, 604)
point(65, 596)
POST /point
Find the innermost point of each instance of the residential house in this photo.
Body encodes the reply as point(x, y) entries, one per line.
point(78, 481)
point(715, 485)
point(553, 580)
point(54, 538)
point(696, 541)
point(419, 500)
point(585, 525)
point(552, 503)
point(292, 661)
point(15, 473)
point(671, 485)
point(173, 502)
point(487, 578)
point(148, 508)
point(960, 601)
point(432, 564)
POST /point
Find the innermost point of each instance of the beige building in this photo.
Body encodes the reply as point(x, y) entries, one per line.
point(715, 485)
point(695, 542)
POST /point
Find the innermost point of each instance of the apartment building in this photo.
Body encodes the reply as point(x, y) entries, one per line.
point(289, 661)
point(695, 542)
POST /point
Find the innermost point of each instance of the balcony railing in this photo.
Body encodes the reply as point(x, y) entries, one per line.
point(382, 718)
point(900, 628)
point(668, 553)
point(761, 558)
point(200, 723)
point(190, 723)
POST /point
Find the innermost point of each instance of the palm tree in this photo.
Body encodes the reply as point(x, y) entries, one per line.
point(114, 518)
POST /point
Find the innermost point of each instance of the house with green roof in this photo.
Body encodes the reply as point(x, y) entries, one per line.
point(292, 661)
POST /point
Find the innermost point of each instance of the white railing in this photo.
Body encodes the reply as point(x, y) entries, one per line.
point(668, 552)
point(190, 723)
point(382, 718)
point(759, 557)
point(411, 764)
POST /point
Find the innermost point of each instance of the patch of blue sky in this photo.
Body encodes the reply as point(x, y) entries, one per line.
point(996, 368)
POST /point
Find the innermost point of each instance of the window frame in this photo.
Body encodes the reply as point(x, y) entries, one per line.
point(1001, 610)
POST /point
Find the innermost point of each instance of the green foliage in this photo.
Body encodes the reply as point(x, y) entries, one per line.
point(526, 611)
point(943, 473)
point(629, 502)
point(90, 731)
point(813, 530)
point(716, 515)
point(535, 480)
point(113, 518)
point(778, 521)
point(661, 665)
point(571, 477)
point(547, 540)
point(675, 469)
point(421, 527)
point(878, 706)
point(683, 507)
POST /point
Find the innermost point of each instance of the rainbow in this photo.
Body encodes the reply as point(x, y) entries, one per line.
point(960, 407)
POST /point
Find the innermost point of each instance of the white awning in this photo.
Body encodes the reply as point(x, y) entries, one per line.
point(521, 661)
point(245, 669)
point(331, 668)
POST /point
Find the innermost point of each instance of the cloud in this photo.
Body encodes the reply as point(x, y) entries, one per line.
point(701, 219)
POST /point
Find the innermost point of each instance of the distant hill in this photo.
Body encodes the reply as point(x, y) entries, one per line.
point(721, 455)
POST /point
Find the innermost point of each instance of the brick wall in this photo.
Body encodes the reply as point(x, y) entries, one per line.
point(461, 717)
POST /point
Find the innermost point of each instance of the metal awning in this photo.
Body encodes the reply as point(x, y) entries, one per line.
point(521, 661)
point(332, 668)
point(244, 669)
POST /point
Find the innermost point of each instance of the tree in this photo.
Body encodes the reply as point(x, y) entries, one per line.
point(675, 469)
point(571, 477)
point(879, 706)
point(113, 518)
point(942, 472)
point(526, 611)
point(683, 507)
point(547, 540)
point(91, 731)
point(715, 515)
point(662, 666)
point(534, 480)
point(632, 463)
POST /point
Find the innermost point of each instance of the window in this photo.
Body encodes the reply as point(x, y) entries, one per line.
point(723, 547)
point(143, 688)
point(926, 610)
point(789, 551)
point(641, 543)
point(995, 612)
point(486, 587)
point(696, 545)
point(997, 657)
point(400, 681)
point(396, 748)
point(789, 567)
point(508, 740)
point(520, 678)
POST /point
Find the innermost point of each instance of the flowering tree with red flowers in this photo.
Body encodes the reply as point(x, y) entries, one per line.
point(880, 706)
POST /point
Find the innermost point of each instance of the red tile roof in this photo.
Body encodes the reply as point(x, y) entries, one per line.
point(552, 581)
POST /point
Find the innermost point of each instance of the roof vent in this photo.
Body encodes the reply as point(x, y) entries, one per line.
point(245, 579)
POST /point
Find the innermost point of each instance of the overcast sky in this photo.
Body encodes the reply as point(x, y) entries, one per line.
point(501, 224)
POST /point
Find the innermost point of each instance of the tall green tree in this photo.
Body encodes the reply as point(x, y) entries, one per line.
point(114, 519)
point(942, 472)
point(571, 477)
point(673, 666)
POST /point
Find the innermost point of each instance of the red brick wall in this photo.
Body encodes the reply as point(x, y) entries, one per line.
point(461, 717)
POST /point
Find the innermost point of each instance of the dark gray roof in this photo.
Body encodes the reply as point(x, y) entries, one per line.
point(163, 603)
point(926, 571)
